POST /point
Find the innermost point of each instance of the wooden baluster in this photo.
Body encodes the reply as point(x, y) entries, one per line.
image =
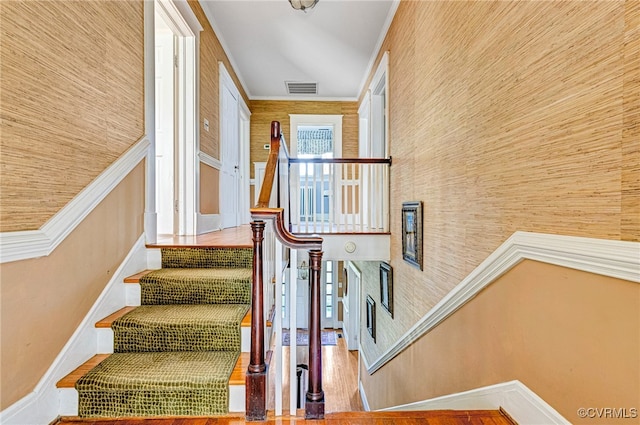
point(314, 407)
point(256, 379)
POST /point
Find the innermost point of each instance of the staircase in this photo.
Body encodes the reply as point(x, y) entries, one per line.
point(175, 354)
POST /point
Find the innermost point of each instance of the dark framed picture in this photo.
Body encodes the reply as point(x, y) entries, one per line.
point(412, 233)
point(371, 317)
point(386, 287)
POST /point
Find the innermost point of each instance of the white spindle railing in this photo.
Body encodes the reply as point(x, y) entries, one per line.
point(339, 195)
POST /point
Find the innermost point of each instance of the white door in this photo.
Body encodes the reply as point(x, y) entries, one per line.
point(229, 156)
point(351, 306)
point(165, 127)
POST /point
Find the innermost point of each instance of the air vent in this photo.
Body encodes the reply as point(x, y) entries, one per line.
point(301, 88)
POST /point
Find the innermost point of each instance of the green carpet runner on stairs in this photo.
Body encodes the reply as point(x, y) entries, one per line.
point(175, 353)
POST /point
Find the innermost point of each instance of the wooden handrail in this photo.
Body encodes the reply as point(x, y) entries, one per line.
point(256, 391)
point(287, 239)
point(271, 167)
point(340, 161)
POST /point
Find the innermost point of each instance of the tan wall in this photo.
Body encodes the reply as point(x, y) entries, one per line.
point(505, 116)
point(265, 111)
point(44, 300)
point(209, 190)
point(65, 118)
point(571, 337)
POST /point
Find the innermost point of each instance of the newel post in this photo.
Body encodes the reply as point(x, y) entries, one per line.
point(314, 407)
point(256, 379)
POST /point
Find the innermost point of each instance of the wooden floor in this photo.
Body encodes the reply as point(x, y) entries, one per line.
point(438, 417)
point(234, 237)
point(339, 378)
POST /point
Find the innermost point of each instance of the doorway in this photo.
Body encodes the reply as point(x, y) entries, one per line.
point(234, 153)
point(314, 186)
point(176, 143)
point(165, 124)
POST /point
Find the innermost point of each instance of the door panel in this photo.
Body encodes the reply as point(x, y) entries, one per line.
point(229, 155)
point(165, 127)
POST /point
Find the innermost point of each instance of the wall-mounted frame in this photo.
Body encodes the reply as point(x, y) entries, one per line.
point(371, 317)
point(386, 287)
point(412, 233)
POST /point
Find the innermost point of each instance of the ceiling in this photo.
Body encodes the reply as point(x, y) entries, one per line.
point(269, 43)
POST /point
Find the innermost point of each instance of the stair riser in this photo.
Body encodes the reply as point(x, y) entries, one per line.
point(105, 340)
point(176, 339)
point(69, 400)
point(207, 257)
point(147, 403)
point(196, 293)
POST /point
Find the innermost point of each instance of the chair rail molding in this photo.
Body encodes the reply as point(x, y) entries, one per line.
point(209, 160)
point(22, 245)
point(618, 259)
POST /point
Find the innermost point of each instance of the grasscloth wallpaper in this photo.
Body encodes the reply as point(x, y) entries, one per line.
point(71, 97)
point(507, 116)
point(265, 111)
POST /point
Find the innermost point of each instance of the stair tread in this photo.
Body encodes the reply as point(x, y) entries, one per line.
point(184, 314)
point(240, 370)
point(70, 380)
point(196, 286)
point(135, 278)
point(179, 327)
point(199, 272)
point(237, 375)
point(160, 370)
point(107, 321)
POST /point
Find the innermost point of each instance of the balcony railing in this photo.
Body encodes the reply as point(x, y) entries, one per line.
point(342, 195)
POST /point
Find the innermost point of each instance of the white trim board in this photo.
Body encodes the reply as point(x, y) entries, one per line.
point(618, 259)
point(522, 404)
point(209, 160)
point(44, 404)
point(15, 246)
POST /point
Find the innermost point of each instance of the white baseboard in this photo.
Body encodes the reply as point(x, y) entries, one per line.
point(22, 245)
point(43, 405)
point(363, 397)
point(206, 223)
point(522, 404)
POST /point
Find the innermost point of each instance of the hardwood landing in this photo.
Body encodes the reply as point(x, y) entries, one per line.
point(233, 237)
point(430, 417)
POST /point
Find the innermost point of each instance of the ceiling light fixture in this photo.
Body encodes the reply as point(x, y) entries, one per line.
point(303, 4)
